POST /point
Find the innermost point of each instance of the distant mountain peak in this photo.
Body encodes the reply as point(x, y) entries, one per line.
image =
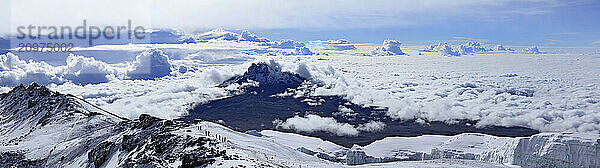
point(267, 75)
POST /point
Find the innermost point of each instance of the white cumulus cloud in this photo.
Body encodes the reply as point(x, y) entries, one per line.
point(313, 123)
point(150, 64)
point(86, 70)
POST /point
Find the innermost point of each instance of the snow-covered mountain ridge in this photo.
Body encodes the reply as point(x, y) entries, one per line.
point(42, 128)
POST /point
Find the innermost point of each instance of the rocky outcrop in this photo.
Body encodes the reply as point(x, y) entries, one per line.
point(151, 142)
point(18, 159)
point(99, 154)
point(266, 74)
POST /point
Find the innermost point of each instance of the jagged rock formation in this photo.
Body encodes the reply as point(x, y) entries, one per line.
point(150, 142)
point(266, 75)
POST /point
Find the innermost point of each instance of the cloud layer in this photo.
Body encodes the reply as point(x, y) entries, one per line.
point(82, 70)
point(314, 123)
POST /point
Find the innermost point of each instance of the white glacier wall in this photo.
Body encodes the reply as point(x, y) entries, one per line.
point(558, 150)
point(541, 150)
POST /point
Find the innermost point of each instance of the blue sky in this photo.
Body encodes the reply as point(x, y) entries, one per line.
point(517, 22)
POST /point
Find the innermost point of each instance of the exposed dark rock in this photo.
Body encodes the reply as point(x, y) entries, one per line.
point(145, 121)
point(17, 159)
point(200, 157)
point(151, 144)
point(253, 132)
point(99, 154)
point(269, 76)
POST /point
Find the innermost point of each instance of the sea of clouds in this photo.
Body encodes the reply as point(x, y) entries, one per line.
point(542, 92)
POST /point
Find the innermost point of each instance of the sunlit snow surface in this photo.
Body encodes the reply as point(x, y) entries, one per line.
point(557, 90)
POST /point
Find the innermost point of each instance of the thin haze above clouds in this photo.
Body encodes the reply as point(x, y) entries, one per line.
point(275, 14)
point(269, 14)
